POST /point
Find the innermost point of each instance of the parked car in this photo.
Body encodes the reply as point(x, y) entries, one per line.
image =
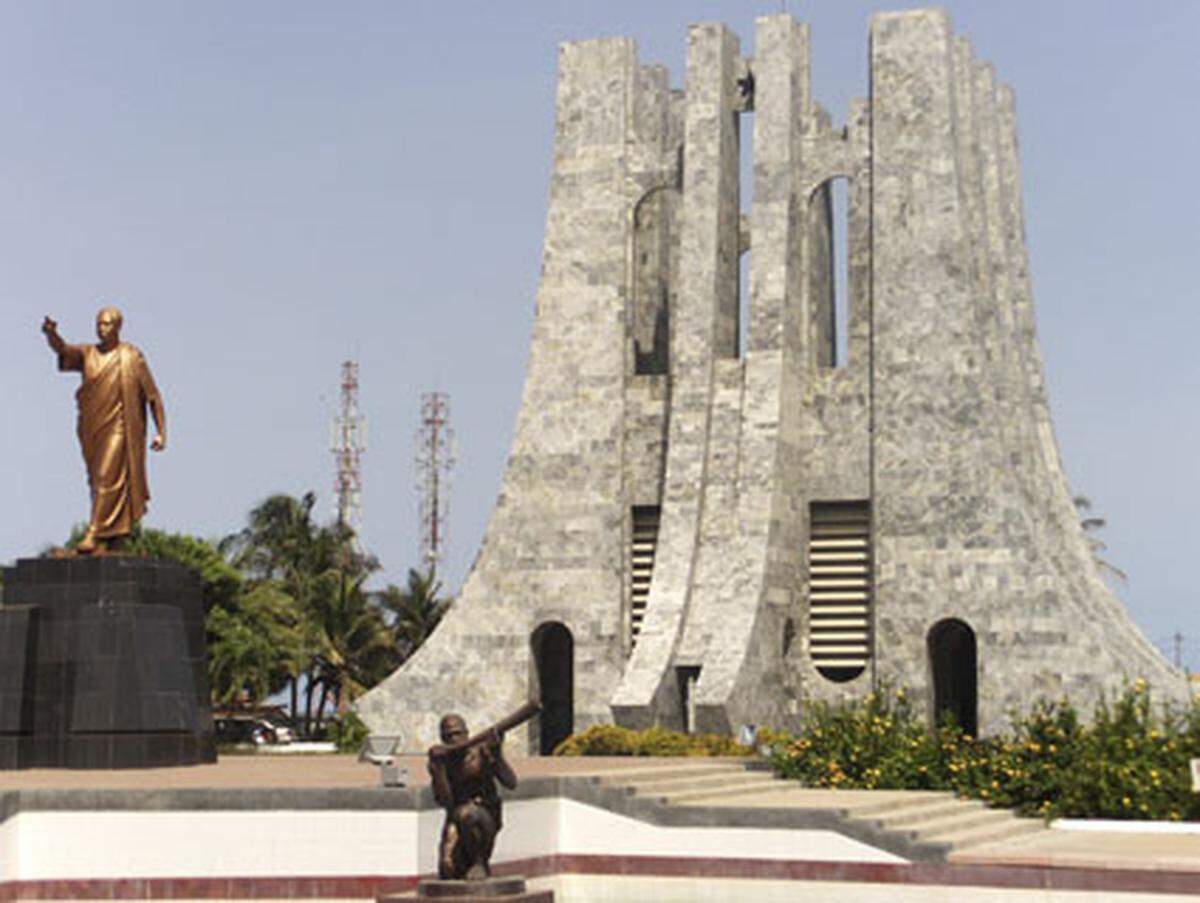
point(244, 730)
point(284, 731)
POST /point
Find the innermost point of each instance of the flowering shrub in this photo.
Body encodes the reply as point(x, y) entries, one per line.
point(876, 742)
point(1130, 761)
point(610, 740)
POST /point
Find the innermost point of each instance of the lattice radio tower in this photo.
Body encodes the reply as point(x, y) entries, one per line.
point(434, 459)
point(349, 441)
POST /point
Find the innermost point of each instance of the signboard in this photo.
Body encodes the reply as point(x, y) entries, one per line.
point(1196, 775)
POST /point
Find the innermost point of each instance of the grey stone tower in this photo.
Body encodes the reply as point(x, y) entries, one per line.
point(707, 518)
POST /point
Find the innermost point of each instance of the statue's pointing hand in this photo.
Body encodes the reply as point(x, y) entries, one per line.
point(49, 327)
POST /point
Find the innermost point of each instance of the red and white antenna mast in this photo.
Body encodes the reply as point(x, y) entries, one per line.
point(434, 459)
point(349, 441)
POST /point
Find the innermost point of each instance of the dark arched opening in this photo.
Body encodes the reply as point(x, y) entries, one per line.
point(829, 287)
point(653, 236)
point(554, 658)
point(952, 661)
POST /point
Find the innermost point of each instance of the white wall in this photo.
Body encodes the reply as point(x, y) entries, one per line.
point(69, 845)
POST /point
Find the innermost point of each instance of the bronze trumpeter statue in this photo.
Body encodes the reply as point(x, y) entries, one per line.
point(115, 391)
point(464, 771)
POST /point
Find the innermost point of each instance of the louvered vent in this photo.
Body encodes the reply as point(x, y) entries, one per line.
point(641, 564)
point(839, 588)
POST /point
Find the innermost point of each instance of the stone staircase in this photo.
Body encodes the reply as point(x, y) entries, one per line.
point(690, 783)
point(942, 818)
point(923, 821)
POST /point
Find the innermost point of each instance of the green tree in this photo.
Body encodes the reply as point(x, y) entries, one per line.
point(357, 650)
point(283, 548)
point(279, 542)
point(416, 610)
point(342, 646)
point(254, 647)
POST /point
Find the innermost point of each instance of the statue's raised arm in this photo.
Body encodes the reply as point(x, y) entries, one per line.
point(53, 339)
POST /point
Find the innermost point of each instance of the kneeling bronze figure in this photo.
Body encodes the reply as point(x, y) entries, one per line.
point(464, 771)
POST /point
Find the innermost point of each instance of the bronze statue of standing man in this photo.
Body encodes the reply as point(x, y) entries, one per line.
point(115, 391)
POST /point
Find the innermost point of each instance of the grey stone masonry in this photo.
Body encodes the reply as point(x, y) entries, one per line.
point(704, 329)
point(825, 524)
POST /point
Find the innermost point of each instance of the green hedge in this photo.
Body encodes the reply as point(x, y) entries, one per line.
point(610, 740)
point(1129, 761)
point(348, 732)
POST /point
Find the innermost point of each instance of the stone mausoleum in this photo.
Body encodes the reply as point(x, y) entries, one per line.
point(710, 515)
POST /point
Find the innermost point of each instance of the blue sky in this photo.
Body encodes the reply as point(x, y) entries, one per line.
point(267, 189)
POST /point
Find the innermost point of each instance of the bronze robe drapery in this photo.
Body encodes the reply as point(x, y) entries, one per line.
point(112, 400)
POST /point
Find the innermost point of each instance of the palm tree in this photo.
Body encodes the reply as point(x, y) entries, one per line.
point(250, 648)
point(357, 650)
point(277, 541)
point(339, 649)
point(416, 610)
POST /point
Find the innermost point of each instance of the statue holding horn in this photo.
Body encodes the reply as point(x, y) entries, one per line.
point(464, 771)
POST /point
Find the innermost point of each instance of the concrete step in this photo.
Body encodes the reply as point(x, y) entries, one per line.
point(743, 787)
point(1004, 829)
point(758, 796)
point(909, 816)
point(965, 820)
point(667, 772)
point(894, 802)
point(673, 785)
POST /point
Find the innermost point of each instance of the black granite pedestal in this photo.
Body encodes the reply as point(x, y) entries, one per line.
point(102, 665)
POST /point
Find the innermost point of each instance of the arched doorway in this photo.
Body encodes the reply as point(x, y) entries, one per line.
point(952, 662)
point(554, 658)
